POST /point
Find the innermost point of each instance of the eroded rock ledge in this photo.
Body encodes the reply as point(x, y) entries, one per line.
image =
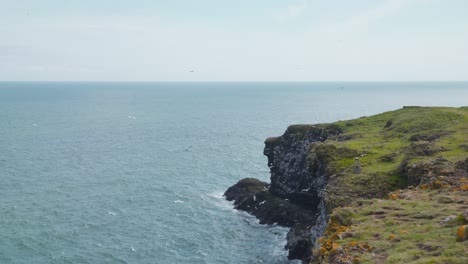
point(295, 197)
point(254, 197)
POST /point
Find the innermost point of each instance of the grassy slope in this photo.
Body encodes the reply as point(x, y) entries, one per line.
point(373, 139)
point(409, 230)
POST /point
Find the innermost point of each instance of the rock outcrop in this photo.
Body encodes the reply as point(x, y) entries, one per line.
point(295, 196)
point(313, 167)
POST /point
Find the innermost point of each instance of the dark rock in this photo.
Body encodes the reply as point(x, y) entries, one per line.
point(244, 189)
point(424, 216)
point(424, 149)
point(434, 135)
point(388, 157)
point(464, 147)
point(291, 171)
point(423, 172)
point(462, 166)
point(299, 243)
point(428, 248)
point(299, 171)
point(411, 106)
point(388, 124)
point(252, 196)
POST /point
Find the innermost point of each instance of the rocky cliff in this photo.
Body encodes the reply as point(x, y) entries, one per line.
point(299, 165)
point(316, 168)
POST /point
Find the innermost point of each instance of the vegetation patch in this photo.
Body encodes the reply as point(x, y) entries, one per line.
point(414, 233)
point(394, 150)
point(415, 225)
point(409, 201)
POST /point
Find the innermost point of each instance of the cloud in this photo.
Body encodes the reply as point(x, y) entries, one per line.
point(291, 12)
point(147, 48)
point(365, 19)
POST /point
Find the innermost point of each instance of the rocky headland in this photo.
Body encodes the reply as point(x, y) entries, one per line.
point(356, 191)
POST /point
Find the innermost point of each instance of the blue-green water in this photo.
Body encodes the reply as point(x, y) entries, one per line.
point(134, 172)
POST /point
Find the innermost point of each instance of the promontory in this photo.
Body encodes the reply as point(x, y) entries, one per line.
point(389, 188)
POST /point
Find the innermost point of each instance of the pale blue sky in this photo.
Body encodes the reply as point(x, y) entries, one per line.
point(220, 40)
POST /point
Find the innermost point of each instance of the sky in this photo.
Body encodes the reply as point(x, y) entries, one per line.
point(242, 40)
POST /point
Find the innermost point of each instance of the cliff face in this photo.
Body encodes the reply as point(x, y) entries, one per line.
point(294, 175)
point(299, 173)
point(295, 197)
point(314, 168)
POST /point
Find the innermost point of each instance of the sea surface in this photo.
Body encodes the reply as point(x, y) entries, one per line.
point(134, 172)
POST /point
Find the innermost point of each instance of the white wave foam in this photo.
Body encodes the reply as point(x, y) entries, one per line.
point(216, 198)
point(181, 196)
point(216, 194)
point(178, 201)
point(111, 213)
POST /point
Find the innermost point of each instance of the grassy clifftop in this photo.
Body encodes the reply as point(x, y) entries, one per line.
point(396, 149)
point(422, 153)
point(415, 226)
point(411, 133)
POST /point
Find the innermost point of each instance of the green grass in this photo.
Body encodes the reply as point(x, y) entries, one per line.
point(397, 149)
point(409, 230)
point(371, 139)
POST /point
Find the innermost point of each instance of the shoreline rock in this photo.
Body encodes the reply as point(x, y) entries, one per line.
point(295, 196)
point(254, 197)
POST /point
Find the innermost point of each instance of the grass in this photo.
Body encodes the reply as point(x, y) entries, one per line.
point(411, 149)
point(388, 145)
point(407, 230)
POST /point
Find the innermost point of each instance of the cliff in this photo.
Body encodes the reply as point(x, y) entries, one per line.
point(318, 169)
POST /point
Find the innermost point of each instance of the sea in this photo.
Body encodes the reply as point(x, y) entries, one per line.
point(135, 172)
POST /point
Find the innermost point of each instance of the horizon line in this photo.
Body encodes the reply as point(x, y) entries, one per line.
point(228, 81)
